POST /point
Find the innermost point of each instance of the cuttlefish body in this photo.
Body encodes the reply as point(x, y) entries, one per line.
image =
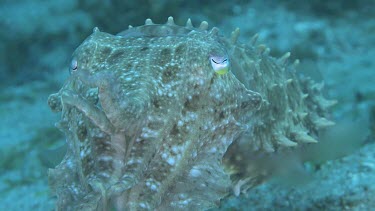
point(164, 117)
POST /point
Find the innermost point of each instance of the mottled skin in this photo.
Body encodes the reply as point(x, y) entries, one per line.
point(148, 120)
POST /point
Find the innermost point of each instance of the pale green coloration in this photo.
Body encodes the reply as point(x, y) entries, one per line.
point(148, 119)
point(220, 64)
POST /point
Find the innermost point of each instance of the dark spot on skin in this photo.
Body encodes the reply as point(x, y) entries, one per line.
point(174, 130)
point(275, 109)
point(127, 67)
point(183, 112)
point(87, 163)
point(106, 51)
point(156, 103)
point(245, 104)
point(253, 102)
point(359, 97)
point(221, 115)
point(144, 48)
point(211, 81)
point(169, 74)
point(116, 56)
point(104, 165)
point(94, 67)
point(164, 57)
point(153, 125)
point(81, 132)
point(180, 50)
point(193, 104)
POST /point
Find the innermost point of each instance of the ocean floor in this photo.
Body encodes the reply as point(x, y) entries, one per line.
point(335, 43)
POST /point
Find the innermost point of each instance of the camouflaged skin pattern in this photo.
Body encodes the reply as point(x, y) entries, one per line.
point(148, 121)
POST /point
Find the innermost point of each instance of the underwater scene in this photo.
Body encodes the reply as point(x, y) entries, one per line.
point(187, 105)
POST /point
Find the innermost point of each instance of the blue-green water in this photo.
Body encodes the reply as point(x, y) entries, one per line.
point(334, 40)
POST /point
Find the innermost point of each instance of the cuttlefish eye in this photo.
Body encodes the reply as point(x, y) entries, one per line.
point(220, 64)
point(73, 66)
